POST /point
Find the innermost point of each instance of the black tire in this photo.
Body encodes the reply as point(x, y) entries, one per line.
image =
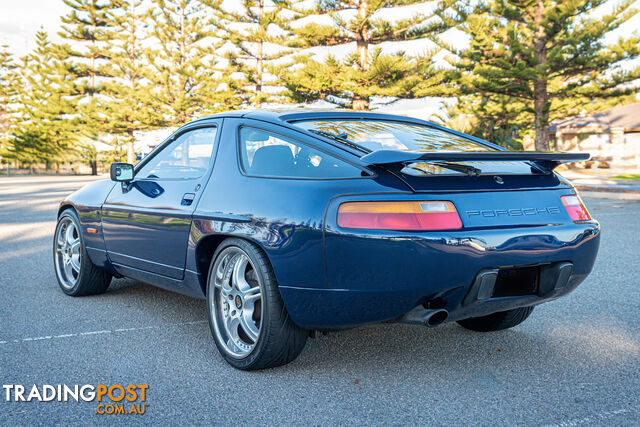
point(279, 340)
point(497, 321)
point(91, 280)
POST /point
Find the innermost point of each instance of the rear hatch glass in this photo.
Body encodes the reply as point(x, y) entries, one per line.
point(374, 135)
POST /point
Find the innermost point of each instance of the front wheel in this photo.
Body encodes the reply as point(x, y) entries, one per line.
point(76, 274)
point(248, 320)
point(497, 321)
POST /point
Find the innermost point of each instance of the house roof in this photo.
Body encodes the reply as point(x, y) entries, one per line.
point(623, 117)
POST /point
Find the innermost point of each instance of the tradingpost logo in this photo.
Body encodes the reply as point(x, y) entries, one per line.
point(114, 399)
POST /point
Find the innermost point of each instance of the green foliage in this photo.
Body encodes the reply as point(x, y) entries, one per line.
point(493, 118)
point(628, 176)
point(8, 93)
point(86, 26)
point(181, 67)
point(253, 35)
point(48, 128)
point(130, 105)
point(546, 57)
point(393, 75)
point(363, 73)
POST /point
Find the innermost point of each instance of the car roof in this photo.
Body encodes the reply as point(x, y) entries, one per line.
point(300, 114)
point(292, 115)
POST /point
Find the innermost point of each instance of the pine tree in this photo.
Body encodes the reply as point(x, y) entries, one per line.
point(130, 106)
point(547, 57)
point(47, 129)
point(86, 27)
point(492, 117)
point(8, 93)
point(182, 68)
point(369, 71)
point(259, 34)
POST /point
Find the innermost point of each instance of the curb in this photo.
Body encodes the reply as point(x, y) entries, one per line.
point(606, 189)
point(590, 194)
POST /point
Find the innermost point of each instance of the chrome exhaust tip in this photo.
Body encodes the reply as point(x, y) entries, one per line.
point(425, 317)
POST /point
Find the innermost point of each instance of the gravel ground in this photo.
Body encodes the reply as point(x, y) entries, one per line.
point(574, 361)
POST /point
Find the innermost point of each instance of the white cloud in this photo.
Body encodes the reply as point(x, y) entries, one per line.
point(19, 21)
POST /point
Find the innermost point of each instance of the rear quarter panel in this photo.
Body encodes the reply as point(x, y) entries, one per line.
point(283, 216)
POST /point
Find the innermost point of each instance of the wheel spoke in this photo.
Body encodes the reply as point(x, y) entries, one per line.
point(61, 237)
point(74, 260)
point(221, 268)
point(69, 234)
point(239, 279)
point(252, 294)
point(68, 270)
point(248, 326)
point(224, 291)
point(232, 327)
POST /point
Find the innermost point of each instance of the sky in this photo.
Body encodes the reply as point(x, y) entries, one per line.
point(19, 21)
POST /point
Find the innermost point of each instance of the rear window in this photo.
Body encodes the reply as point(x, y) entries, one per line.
point(389, 135)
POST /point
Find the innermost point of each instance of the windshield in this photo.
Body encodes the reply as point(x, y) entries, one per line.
point(389, 135)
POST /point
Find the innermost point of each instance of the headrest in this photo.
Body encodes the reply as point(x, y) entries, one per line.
point(273, 160)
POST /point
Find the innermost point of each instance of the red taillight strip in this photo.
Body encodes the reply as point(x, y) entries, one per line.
point(399, 215)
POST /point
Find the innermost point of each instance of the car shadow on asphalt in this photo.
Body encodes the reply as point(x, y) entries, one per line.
point(544, 343)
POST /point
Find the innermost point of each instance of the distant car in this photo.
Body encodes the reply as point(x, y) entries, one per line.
point(291, 222)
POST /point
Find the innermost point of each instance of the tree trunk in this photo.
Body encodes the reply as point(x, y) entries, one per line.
point(259, 64)
point(131, 155)
point(540, 94)
point(541, 109)
point(92, 75)
point(259, 76)
point(361, 103)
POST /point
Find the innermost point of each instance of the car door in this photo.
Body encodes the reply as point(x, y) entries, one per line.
point(146, 222)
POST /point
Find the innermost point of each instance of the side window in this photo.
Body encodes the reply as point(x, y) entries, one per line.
point(269, 155)
point(187, 157)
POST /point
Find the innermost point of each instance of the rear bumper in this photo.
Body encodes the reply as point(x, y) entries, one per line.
point(379, 277)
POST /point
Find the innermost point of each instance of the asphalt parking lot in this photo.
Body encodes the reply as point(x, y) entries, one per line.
point(575, 361)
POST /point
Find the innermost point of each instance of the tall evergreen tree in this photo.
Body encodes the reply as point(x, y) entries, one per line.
point(546, 56)
point(181, 65)
point(47, 128)
point(130, 106)
point(86, 27)
point(258, 32)
point(8, 93)
point(367, 72)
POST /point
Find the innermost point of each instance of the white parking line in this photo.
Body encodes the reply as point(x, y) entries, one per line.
point(593, 419)
point(103, 331)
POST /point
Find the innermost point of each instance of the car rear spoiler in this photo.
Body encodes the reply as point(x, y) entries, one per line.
point(546, 161)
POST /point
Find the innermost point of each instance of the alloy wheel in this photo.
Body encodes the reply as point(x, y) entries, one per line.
point(68, 256)
point(236, 302)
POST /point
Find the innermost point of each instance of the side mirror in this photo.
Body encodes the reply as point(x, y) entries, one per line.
point(121, 172)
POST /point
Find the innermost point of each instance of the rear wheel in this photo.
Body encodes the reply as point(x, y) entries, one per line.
point(497, 321)
point(76, 274)
point(248, 320)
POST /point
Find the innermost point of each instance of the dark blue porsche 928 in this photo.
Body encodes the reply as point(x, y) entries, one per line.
point(291, 222)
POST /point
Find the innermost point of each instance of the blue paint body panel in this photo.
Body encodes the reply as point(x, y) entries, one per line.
point(329, 277)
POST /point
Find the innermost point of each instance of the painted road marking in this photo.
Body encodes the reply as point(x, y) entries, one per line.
point(595, 418)
point(100, 332)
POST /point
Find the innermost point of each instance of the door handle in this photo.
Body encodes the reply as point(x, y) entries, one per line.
point(188, 198)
